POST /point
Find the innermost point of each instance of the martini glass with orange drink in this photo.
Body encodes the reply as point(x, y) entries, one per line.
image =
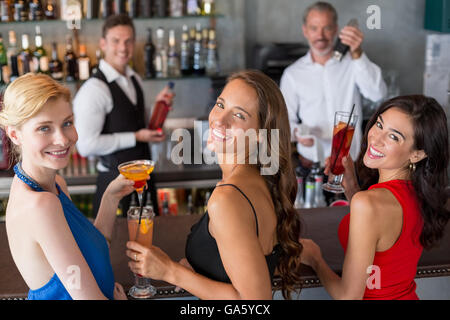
point(344, 128)
point(138, 171)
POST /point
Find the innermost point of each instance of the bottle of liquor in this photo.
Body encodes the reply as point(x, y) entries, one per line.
point(192, 34)
point(310, 191)
point(165, 205)
point(84, 64)
point(212, 64)
point(190, 205)
point(173, 63)
point(98, 56)
point(132, 8)
point(148, 202)
point(212, 59)
point(198, 65)
point(145, 8)
point(160, 8)
point(149, 49)
point(70, 61)
point(176, 8)
point(192, 8)
point(25, 56)
point(3, 55)
point(55, 65)
point(119, 6)
point(20, 10)
point(91, 9)
point(106, 8)
point(207, 7)
point(40, 58)
point(319, 197)
point(36, 11)
point(50, 10)
point(160, 112)
point(161, 54)
point(12, 54)
point(5, 11)
point(185, 58)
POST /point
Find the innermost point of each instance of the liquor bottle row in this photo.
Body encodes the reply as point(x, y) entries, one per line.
point(36, 10)
point(79, 166)
point(16, 62)
point(309, 189)
point(197, 54)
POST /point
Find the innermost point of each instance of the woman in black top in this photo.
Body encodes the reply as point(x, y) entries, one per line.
point(250, 226)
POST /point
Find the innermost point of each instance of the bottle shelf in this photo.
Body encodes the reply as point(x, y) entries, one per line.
point(102, 19)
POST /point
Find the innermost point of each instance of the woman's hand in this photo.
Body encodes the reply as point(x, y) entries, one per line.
point(119, 188)
point(310, 253)
point(149, 262)
point(119, 293)
point(349, 182)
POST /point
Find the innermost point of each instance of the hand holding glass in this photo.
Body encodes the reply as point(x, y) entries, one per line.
point(344, 128)
point(142, 233)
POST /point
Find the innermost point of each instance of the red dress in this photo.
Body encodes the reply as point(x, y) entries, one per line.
point(397, 265)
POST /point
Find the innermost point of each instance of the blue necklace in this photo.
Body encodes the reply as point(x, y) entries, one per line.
point(22, 175)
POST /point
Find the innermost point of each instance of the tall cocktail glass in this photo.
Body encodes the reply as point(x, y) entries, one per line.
point(344, 128)
point(142, 233)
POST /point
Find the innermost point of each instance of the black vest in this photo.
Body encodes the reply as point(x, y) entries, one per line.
point(124, 117)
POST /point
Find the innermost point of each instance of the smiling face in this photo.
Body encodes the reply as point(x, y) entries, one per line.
point(320, 30)
point(391, 145)
point(118, 46)
point(47, 139)
point(234, 114)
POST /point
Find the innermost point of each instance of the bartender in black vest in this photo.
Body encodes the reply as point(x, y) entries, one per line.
point(109, 108)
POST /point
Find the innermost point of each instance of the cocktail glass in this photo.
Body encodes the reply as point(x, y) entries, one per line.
point(344, 128)
point(137, 170)
point(140, 229)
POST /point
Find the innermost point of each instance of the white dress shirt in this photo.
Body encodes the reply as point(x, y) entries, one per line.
point(314, 92)
point(91, 105)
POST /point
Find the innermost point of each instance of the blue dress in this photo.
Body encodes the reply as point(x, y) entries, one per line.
point(92, 245)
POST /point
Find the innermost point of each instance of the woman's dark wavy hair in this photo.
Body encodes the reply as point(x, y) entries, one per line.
point(282, 185)
point(430, 178)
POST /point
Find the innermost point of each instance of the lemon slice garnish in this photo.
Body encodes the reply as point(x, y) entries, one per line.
point(146, 224)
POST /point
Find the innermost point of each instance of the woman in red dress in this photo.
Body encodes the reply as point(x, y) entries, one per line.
point(402, 168)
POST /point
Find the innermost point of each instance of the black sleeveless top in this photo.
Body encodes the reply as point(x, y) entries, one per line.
point(203, 255)
point(124, 117)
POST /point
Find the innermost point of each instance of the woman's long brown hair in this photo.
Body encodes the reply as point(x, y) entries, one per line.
point(282, 185)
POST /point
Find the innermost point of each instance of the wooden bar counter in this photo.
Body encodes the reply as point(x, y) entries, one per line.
point(170, 234)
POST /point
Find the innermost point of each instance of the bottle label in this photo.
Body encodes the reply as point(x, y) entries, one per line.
point(43, 64)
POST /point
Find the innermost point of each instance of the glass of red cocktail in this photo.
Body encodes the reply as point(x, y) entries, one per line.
point(344, 128)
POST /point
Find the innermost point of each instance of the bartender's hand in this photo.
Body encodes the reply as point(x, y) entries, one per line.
point(349, 182)
point(150, 263)
point(353, 37)
point(166, 95)
point(147, 135)
point(306, 142)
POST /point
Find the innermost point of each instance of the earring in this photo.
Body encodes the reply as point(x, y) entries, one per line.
point(412, 167)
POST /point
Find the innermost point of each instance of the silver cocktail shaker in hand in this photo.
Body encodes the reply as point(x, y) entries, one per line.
point(341, 49)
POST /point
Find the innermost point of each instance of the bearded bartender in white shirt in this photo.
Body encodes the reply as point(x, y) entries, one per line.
point(316, 85)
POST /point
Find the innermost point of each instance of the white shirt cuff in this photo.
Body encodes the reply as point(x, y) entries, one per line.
point(126, 140)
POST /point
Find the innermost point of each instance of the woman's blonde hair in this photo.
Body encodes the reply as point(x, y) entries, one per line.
point(25, 97)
